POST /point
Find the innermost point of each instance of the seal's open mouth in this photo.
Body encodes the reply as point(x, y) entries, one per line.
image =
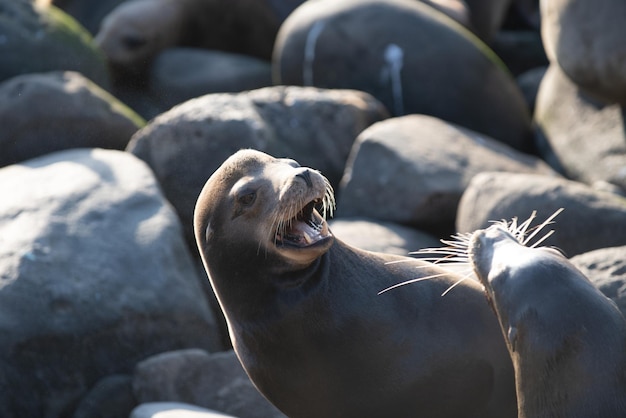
point(307, 228)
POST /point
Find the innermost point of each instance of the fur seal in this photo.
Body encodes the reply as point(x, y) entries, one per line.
point(306, 319)
point(566, 339)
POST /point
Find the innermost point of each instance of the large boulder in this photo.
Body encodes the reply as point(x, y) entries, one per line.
point(393, 50)
point(582, 138)
point(94, 277)
point(88, 13)
point(487, 16)
point(380, 236)
point(591, 219)
point(180, 74)
point(43, 38)
point(606, 268)
point(315, 127)
point(42, 113)
point(413, 170)
point(174, 410)
point(215, 381)
point(586, 39)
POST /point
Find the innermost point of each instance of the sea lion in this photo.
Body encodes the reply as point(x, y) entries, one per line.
point(307, 322)
point(133, 33)
point(566, 339)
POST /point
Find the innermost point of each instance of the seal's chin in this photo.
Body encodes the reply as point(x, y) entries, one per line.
point(308, 228)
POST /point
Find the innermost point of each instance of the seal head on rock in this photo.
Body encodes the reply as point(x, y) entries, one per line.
point(307, 322)
point(566, 339)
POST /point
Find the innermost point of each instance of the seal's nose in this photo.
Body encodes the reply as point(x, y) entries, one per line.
point(305, 175)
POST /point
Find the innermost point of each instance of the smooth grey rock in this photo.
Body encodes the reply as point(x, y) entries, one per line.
point(215, 381)
point(384, 237)
point(606, 268)
point(586, 39)
point(40, 39)
point(521, 50)
point(111, 397)
point(393, 50)
point(94, 277)
point(413, 170)
point(174, 410)
point(487, 16)
point(315, 127)
point(582, 138)
point(43, 113)
point(180, 74)
point(529, 83)
point(591, 219)
point(88, 13)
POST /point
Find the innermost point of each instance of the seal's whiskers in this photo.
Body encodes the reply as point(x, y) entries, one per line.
point(420, 279)
point(455, 251)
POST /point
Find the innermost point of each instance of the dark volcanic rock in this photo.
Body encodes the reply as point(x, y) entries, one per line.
point(94, 277)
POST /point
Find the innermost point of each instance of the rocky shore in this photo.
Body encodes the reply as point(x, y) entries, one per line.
point(428, 117)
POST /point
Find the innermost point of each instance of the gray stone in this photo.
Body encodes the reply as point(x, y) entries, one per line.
point(487, 16)
point(586, 39)
point(606, 268)
point(413, 170)
point(580, 137)
point(315, 127)
point(43, 113)
point(521, 50)
point(39, 39)
point(111, 397)
point(215, 381)
point(94, 277)
point(88, 13)
point(393, 50)
point(592, 219)
point(384, 237)
point(174, 410)
point(529, 83)
point(456, 9)
point(180, 74)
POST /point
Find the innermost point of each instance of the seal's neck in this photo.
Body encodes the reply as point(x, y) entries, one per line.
point(256, 280)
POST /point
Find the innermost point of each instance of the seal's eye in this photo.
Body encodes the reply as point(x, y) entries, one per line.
point(247, 198)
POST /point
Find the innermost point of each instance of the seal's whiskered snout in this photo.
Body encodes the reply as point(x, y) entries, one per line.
point(457, 253)
point(305, 206)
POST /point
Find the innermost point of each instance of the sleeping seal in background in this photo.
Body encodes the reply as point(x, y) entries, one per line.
point(307, 322)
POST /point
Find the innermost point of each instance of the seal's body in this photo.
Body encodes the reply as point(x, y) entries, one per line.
point(566, 339)
point(306, 319)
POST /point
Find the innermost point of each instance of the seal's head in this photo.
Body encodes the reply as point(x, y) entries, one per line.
point(565, 337)
point(516, 277)
point(136, 31)
point(261, 208)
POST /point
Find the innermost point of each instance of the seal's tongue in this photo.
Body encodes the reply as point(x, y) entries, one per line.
point(307, 228)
